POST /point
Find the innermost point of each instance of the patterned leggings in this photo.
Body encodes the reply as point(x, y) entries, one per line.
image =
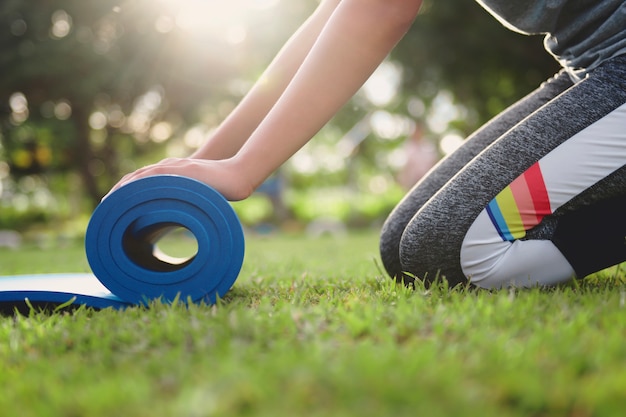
point(537, 196)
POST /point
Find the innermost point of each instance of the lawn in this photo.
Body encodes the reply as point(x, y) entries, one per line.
point(313, 328)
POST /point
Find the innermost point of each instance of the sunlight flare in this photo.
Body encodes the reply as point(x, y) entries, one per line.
point(211, 18)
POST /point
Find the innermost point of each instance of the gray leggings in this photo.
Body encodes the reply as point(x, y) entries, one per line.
point(535, 197)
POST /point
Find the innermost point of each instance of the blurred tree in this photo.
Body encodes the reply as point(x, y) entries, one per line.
point(91, 82)
point(456, 45)
point(60, 59)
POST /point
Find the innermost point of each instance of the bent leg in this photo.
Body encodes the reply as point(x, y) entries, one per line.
point(397, 221)
point(582, 239)
point(578, 139)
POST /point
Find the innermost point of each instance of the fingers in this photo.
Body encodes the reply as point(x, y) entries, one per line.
point(171, 166)
point(228, 179)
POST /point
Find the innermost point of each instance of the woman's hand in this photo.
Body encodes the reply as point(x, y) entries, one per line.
point(225, 176)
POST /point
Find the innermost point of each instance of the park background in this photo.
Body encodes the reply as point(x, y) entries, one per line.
point(313, 327)
point(92, 90)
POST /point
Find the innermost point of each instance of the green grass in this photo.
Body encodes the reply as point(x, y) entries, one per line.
point(312, 328)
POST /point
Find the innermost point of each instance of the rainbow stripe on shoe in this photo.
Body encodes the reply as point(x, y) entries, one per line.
point(521, 205)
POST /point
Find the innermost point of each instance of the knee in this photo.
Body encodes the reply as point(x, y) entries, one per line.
point(389, 244)
point(412, 249)
point(430, 254)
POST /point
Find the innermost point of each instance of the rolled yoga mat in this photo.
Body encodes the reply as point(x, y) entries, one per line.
point(120, 244)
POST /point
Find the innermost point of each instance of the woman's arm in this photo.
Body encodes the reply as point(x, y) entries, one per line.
point(355, 40)
point(244, 119)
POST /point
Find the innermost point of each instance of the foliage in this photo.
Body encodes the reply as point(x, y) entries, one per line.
point(93, 86)
point(311, 328)
point(458, 46)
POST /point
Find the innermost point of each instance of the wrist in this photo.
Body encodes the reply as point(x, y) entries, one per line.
point(240, 176)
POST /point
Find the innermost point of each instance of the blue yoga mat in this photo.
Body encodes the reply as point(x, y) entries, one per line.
point(120, 244)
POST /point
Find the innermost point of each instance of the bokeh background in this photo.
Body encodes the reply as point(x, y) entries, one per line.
point(90, 90)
